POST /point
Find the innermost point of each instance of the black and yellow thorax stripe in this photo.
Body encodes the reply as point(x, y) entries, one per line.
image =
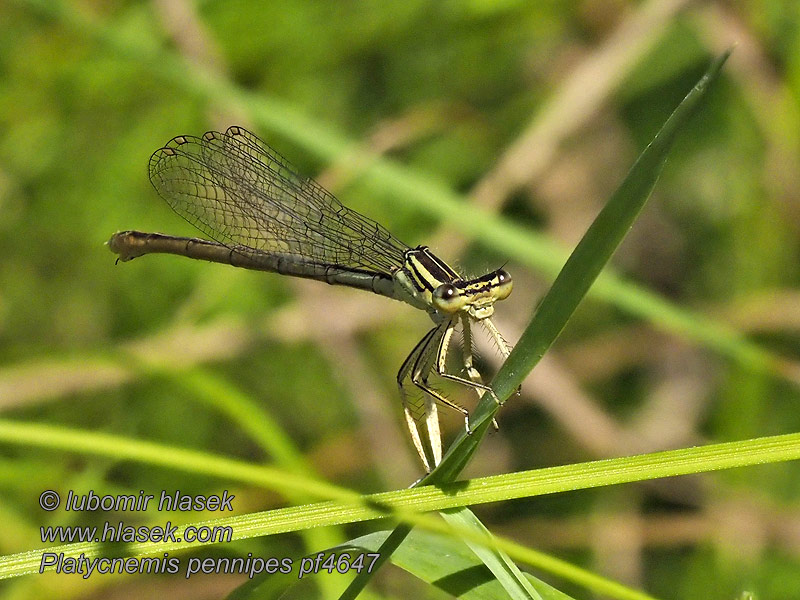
point(432, 282)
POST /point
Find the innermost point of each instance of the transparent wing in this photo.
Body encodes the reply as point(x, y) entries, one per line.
point(240, 192)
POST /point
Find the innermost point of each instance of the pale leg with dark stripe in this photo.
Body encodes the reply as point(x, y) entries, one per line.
point(472, 372)
point(475, 381)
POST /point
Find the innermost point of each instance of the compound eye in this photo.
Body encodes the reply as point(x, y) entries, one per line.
point(447, 299)
point(504, 284)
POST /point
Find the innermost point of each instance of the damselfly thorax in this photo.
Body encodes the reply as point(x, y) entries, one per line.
point(262, 215)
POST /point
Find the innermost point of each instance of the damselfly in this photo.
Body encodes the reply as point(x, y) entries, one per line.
point(262, 215)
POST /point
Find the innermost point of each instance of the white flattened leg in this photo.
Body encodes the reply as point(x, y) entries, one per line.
point(411, 422)
point(432, 426)
point(421, 409)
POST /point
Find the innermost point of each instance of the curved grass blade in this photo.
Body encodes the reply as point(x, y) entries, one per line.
point(507, 574)
point(573, 282)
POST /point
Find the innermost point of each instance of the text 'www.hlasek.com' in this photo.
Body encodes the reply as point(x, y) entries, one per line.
point(89, 547)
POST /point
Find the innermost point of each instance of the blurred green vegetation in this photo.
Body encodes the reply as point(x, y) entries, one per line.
point(456, 93)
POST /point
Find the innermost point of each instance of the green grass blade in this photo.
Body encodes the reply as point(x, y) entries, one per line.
point(346, 506)
point(190, 461)
point(385, 551)
point(513, 581)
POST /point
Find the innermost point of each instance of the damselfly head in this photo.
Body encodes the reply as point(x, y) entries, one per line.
point(476, 296)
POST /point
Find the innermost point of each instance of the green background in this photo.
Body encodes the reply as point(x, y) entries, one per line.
point(541, 107)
